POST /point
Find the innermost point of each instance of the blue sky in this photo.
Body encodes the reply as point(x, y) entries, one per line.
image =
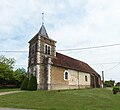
point(72, 23)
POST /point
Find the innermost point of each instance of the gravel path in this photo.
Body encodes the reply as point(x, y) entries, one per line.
point(11, 92)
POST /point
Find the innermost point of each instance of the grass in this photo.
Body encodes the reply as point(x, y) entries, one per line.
point(7, 90)
point(86, 99)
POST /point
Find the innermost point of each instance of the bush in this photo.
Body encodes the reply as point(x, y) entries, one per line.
point(109, 83)
point(32, 84)
point(24, 84)
point(115, 90)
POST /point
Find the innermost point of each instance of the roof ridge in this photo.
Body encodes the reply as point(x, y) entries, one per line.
point(71, 57)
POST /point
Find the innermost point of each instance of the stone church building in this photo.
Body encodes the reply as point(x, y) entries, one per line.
point(55, 71)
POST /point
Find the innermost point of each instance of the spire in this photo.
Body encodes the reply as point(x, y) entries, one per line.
point(42, 30)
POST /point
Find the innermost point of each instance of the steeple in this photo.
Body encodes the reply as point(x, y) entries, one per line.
point(42, 30)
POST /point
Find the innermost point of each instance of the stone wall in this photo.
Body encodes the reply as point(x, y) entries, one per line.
point(76, 79)
point(57, 78)
point(44, 60)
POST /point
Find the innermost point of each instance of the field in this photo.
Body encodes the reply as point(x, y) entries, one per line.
point(86, 99)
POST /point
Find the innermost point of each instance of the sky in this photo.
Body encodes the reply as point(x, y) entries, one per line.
point(72, 23)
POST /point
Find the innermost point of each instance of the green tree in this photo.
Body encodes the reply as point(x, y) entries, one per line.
point(6, 70)
point(10, 62)
point(109, 83)
point(7, 73)
point(19, 76)
point(32, 84)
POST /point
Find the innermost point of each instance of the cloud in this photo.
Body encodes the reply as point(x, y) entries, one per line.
point(73, 24)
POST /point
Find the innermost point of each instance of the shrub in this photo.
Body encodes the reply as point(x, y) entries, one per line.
point(109, 83)
point(24, 84)
point(32, 84)
point(115, 90)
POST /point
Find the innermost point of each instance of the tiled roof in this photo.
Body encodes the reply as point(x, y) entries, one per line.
point(71, 63)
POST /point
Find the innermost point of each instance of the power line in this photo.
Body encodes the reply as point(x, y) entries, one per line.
point(113, 67)
point(90, 64)
point(14, 51)
point(72, 49)
point(94, 47)
point(21, 65)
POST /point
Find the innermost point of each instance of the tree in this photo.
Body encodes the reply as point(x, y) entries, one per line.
point(32, 84)
point(10, 62)
point(109, 83)
point(9, 76)
point(19, 76)
point(6, 70)
point(24, 84)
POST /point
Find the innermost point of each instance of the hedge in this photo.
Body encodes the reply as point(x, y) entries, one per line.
point(32, 84)
point(24, 84)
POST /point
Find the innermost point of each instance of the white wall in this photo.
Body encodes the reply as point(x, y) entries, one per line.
point(82, 81)
point(78, 79)
point(73, 77)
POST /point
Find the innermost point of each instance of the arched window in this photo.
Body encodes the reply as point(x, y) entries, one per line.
point(66, 75)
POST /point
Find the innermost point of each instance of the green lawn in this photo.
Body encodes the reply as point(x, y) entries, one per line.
point(86, 99)
point(7, 90)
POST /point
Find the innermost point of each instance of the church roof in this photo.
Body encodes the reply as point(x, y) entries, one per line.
point(71, 63)
point(43, 31)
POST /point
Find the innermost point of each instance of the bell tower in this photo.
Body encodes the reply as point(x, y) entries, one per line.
point(41, 50)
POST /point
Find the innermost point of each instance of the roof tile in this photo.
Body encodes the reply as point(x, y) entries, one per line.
point(71, 63)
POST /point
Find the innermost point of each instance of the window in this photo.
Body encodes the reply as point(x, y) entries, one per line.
point(86, 78)
point(47, 49)
point(66, 75)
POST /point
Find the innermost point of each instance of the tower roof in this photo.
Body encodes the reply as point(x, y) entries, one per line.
point(43, 31)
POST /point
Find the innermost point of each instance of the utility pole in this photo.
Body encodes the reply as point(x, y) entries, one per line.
point(102, 79)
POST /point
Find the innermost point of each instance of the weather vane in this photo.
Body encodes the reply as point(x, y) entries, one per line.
point(42, 18)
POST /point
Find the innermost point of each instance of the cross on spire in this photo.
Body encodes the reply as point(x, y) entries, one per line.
point(42, 18)
point(42, 30)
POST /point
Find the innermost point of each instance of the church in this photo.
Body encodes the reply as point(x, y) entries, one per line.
point(55, 71)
